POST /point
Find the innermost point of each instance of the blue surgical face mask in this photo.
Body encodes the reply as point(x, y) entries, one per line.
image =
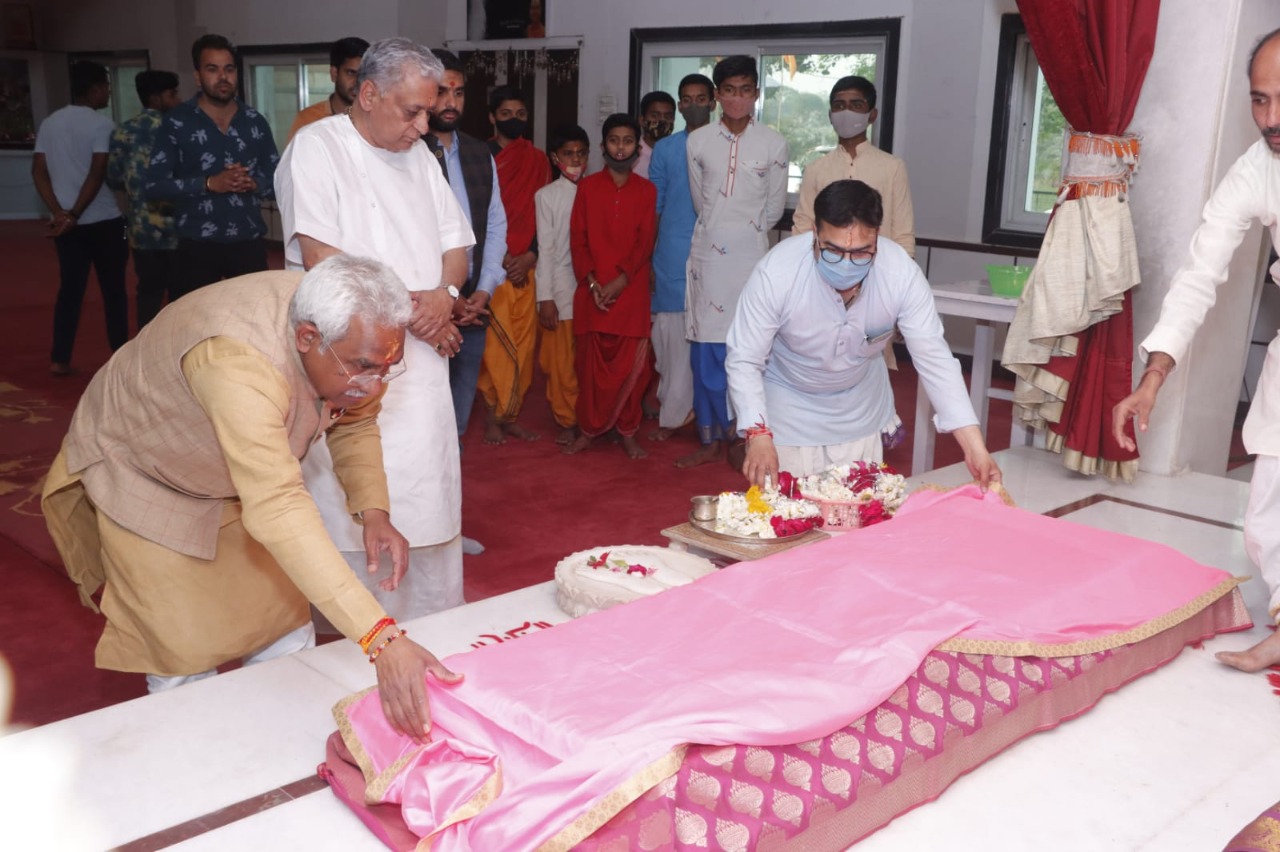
point(844, 274)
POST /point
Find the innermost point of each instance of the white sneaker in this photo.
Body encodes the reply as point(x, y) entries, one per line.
point(471, 547)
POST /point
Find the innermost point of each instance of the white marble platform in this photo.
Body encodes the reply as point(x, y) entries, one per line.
point(1178, 760)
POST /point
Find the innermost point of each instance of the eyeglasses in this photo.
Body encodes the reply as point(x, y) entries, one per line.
point(370, 380)
point(858, 257)
point(857, 105)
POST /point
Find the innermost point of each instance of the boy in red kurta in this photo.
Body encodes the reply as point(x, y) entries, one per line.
point(611, 237)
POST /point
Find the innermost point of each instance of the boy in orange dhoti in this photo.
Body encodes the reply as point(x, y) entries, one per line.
point(555, 281)
point(507, 369)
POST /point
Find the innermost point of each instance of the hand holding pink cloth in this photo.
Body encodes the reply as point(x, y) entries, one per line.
point(572, 724)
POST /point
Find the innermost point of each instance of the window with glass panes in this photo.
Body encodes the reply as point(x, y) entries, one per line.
point(798, 64)
point(123, 68)
point(282, 84)
point(1027, 137)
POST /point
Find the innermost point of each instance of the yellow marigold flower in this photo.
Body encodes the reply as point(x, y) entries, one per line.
point(756, 504)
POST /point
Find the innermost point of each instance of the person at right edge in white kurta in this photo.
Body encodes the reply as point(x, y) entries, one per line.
point(1250, 190)
point(363, 183)
point(806, 372)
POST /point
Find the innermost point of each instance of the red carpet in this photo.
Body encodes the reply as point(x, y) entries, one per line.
point(528, 504)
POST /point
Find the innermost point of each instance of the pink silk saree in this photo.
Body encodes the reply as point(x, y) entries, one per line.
point(551, 736)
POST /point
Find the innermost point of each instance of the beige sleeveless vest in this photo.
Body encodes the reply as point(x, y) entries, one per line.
point(145, 449)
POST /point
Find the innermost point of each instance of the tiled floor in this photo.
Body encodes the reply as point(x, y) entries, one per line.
point(1177, 760)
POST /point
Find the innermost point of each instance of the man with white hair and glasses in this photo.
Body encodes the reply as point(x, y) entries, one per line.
point(178, 490)
point(804, 352)
point(362, 183)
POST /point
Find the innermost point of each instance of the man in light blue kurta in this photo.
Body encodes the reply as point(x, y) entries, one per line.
point(806, 373)
point(669, 173)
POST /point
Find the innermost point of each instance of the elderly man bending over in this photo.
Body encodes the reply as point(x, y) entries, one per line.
point(178, 488)
point(805, 365)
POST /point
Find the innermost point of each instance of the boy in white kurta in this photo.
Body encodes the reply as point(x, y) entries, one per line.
point(384, 197)
point(738, 180)
point(554, 278)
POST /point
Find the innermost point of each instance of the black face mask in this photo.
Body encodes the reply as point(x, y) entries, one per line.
point(622, 165)
point(696, 115)
point(512, 128)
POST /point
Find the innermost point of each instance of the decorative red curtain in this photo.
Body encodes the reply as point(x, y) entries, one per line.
point(1094, 55)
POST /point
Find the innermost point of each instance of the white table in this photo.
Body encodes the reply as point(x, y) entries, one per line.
point(974, 300)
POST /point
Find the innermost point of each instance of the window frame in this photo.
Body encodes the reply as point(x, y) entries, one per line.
point(1008, 162)
point(769, 40)
point(247, 56)
point(113, 61)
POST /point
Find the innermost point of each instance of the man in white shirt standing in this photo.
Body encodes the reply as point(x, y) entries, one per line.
point(738, 180)
point(362, 184)
point(853, 111)
point(1250, 190)
point(806, 373)
point(69, 170)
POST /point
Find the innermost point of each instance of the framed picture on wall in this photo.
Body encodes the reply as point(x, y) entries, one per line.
point(17, 122)
point(506, 19)
point(17, 27)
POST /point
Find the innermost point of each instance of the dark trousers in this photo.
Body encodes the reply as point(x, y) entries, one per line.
point(464, 372)
point(201, 263)
point(157, 271)
point(103, 246)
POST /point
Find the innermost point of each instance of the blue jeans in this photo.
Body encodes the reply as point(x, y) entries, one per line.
point(464, 372)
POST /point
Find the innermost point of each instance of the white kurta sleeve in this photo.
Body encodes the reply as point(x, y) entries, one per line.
point(751, 335)
point(1227, 217)
point(920, 324)
point(307, 207)
point(455, 230)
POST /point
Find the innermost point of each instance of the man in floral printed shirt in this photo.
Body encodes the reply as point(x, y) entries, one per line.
point(215, 161)
point(152, 234)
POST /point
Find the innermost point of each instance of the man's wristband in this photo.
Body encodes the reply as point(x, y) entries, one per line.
point(1163, 373)
point(208, 188)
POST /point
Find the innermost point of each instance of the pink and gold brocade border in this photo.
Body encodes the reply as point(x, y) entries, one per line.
point(1100, 643)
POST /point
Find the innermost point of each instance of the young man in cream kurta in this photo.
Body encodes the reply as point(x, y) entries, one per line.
point(853, 110)
point(365, 184)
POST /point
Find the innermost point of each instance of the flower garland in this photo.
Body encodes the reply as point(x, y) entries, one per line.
point(764, 514)
point(877, 489)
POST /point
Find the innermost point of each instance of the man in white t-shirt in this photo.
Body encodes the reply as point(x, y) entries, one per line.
point(361, 183)
point(69, 170)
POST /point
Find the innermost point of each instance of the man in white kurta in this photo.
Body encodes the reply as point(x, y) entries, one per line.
point(555, 285)
point(806, 371)
point(341, 190)
point(1249, 191)
point(738, 181)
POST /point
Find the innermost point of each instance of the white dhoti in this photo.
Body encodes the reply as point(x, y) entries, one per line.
point(1262, 525)
point(803, 461)
point(675, 373)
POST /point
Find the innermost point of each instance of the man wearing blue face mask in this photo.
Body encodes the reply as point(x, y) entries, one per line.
point(806, 373)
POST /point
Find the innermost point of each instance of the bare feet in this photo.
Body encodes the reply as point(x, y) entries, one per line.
point(632, 446)
point(566, 435)
point(515, 430)
point(662, 433)
point(578, 444)
point(705, 455)
point(1265, 653)
point(493, 433)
